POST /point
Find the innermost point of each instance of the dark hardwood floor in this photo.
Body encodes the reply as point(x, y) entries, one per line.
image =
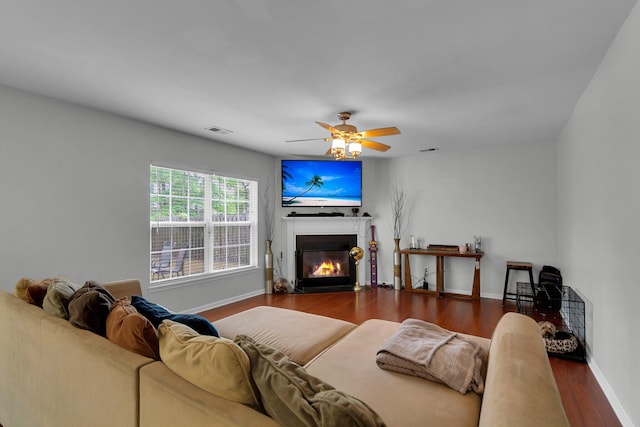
point(584, 400)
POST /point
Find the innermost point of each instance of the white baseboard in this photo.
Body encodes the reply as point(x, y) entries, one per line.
point(226, 301)
point(610, 394)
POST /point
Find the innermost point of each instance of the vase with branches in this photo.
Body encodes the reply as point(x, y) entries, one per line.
point(398, 203)
point(268, 206)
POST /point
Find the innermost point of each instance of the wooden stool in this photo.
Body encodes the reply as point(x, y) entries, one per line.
point(516, 265)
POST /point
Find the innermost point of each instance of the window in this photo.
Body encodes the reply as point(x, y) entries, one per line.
point(200, 223)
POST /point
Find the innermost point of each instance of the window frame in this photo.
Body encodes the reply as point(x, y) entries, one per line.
point(239, 255)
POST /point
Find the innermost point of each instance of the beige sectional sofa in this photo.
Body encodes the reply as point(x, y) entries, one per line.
point(53, 374)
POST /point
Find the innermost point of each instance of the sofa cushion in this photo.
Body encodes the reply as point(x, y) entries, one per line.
point(214, 364)
point(131, 330)
point(299, 335)
point(89, 307)
point(157, 313)
point(56, 300)
point(350, 365)
point(293, 397)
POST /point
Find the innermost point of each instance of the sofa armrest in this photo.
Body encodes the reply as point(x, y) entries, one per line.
point(520, 388)
point(124, 288)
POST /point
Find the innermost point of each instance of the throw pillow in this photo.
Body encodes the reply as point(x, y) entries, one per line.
point(56, 300)
point(293, 397)
point(36, 292)
point(157, 313)
point(131, 330)
point(216, 365)
point(89, 307)
point(20, 288)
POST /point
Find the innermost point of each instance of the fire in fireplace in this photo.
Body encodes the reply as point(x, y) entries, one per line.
point(323, 263)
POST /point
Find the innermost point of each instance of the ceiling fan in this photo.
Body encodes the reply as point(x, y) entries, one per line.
point(347, 142)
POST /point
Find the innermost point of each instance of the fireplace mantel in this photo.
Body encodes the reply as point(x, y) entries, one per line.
point(324, 225)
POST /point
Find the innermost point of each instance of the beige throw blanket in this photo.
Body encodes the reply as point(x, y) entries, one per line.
point(426, 350)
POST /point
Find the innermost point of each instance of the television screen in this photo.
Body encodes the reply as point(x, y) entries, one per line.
point(321, 183)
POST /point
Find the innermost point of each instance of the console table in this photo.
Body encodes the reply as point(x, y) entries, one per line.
point(440, 256)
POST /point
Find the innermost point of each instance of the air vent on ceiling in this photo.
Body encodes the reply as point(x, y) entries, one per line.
point(219, 130)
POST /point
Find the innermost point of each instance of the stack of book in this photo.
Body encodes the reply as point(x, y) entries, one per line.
point(445, 248)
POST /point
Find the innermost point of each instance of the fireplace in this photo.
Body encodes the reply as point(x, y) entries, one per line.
point(317, 227)
point(323, 263)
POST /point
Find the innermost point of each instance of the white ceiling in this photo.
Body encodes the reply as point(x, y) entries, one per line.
point(451, 74)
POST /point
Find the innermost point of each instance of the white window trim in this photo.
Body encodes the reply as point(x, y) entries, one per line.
point(208, 224)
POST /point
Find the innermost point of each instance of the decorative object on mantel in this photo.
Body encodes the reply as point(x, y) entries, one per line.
point(398, 199)
point(356, 253)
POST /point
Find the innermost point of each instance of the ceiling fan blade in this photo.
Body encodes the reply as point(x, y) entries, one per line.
point(373, 133)
point(310, 139)
point(328, 127)
point(374, 145)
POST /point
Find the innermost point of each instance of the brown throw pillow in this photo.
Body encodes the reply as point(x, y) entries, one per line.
point(89, 307)
point(131, 330)
point(293, 397)
point(37, 291)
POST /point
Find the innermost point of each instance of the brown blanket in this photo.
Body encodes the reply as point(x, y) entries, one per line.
point(426, 350)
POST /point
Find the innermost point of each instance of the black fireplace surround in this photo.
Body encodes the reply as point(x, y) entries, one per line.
point(323, 263)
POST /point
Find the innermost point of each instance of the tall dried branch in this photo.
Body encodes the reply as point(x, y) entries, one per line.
point(398, 201)
point(268, 206)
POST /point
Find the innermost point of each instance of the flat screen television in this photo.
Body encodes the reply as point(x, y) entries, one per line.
point(321, 183)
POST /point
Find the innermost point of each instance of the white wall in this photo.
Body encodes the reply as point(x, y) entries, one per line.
point(599, 215)
point(74, 185)
point(507, 195)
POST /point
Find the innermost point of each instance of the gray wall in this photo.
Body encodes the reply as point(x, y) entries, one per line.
point(599, 214)
point(506, 195)
point(75, 183)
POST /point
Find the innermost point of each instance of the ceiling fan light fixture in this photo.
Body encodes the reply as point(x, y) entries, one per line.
point(338, 148)
point(355, 148)
point(337, 143)
point(347, 142)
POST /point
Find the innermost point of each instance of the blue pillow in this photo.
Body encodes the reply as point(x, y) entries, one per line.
point(157, 313)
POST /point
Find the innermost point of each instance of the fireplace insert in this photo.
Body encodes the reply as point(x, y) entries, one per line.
point(323, 263)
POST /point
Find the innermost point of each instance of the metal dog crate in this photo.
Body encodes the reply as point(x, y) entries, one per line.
point(570, 317)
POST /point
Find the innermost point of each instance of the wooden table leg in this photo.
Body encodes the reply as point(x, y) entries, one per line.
point(439, 275)
point(475, 293)
point(407, 274)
